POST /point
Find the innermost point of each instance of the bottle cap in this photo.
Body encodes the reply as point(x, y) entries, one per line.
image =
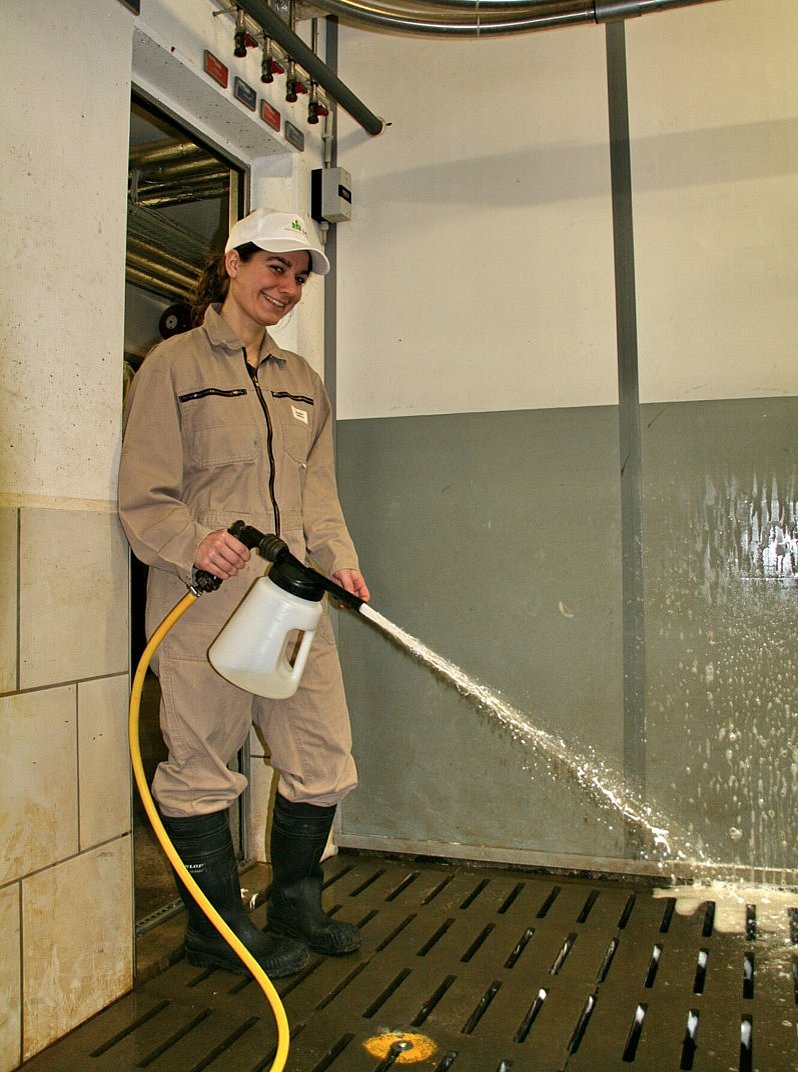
point(297, 580)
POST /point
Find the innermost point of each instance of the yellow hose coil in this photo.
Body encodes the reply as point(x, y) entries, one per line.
point(263, 981)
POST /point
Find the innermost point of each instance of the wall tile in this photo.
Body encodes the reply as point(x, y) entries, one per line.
point(38, 787)
point(10, 979)
point(78, 944)
point(8, 608)
point(74, 600)
point(104, 760)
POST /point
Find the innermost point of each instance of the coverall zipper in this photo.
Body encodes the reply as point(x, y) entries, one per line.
point(253, 373)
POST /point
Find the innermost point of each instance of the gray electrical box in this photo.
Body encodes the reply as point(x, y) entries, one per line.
point(330, 195)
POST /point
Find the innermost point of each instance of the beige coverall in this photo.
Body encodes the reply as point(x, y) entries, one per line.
point(207, 444)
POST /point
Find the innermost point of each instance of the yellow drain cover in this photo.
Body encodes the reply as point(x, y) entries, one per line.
point(418, 1047)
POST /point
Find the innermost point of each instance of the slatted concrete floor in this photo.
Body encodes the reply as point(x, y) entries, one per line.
point(479, 970)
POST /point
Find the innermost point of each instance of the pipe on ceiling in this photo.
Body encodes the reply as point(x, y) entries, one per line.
point(274, 27)
point(474, 18)
point(158, 153)
point(167, 196)
point(154, 281)
point(155, 263)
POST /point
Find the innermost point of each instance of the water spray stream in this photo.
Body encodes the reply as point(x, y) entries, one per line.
point(602, 786)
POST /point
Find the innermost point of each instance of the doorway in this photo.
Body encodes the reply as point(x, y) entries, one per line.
point(182, 198)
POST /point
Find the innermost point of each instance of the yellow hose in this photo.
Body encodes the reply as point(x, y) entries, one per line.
point(263, 981)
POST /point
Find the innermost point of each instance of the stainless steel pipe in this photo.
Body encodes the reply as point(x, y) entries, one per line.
point(473, 18)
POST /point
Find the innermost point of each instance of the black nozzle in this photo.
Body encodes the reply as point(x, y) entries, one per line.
point(268, 546)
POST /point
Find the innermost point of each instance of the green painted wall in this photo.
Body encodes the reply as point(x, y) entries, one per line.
point(721, 633)
point(495, 538)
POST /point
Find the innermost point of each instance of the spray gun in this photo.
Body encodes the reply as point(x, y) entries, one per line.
point(275, 550)
point(264, 646)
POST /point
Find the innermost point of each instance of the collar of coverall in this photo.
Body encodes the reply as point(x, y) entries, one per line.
point(220, 333)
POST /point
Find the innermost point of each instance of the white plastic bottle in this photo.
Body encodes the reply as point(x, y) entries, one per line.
point(265, 644)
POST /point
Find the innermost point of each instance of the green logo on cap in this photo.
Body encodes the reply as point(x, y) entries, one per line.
point(297, 226)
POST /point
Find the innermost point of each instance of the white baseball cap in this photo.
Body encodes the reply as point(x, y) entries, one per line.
point(277, 232)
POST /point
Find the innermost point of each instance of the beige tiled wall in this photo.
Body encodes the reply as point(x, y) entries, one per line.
point(104, 767)
point(77, 945)
point(64, 774)
point(10, 972)
point(8, 605)
point(66, 911)
point(38, 766)
point(66, 632)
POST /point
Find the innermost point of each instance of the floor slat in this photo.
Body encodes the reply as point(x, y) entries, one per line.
point(490, 969)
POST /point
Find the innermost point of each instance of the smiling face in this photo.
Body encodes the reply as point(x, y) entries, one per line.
point(263, 289)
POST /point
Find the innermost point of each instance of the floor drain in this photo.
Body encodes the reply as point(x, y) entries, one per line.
point(400, 1048)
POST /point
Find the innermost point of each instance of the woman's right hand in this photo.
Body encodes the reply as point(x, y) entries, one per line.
point(221, 554)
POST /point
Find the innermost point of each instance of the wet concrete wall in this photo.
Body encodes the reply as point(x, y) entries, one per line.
point(496, 539)
point(721, 557)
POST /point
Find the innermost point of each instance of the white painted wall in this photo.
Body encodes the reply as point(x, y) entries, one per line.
point(714, 116)
point(477, 271)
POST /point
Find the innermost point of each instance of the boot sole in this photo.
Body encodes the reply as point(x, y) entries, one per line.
point(339, 951)
point(238, 967)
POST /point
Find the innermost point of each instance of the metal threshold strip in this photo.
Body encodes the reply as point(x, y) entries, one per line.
point(480, 970)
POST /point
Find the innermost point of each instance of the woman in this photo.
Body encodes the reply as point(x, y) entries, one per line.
point(222, 424)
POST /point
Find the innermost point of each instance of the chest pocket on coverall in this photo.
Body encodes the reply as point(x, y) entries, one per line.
point(295, 413)
point(218, 428)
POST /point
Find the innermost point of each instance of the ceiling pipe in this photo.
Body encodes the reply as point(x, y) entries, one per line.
point(198, 183)
point(153, 153)
point(157, 255)
point(276, 28)
point(152, 280)
point(474, 18)
point(169, 196)
point(612, 10)
point(206, 166)
point(470, 22)
point(176, 279)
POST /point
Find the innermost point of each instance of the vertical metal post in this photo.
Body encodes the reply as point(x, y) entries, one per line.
point(634, 720)
point(331, 280)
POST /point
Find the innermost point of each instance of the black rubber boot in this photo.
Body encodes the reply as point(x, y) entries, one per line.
point(299, 835)
point(206, 848)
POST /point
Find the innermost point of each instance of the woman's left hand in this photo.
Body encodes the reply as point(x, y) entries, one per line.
point(353, 581)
